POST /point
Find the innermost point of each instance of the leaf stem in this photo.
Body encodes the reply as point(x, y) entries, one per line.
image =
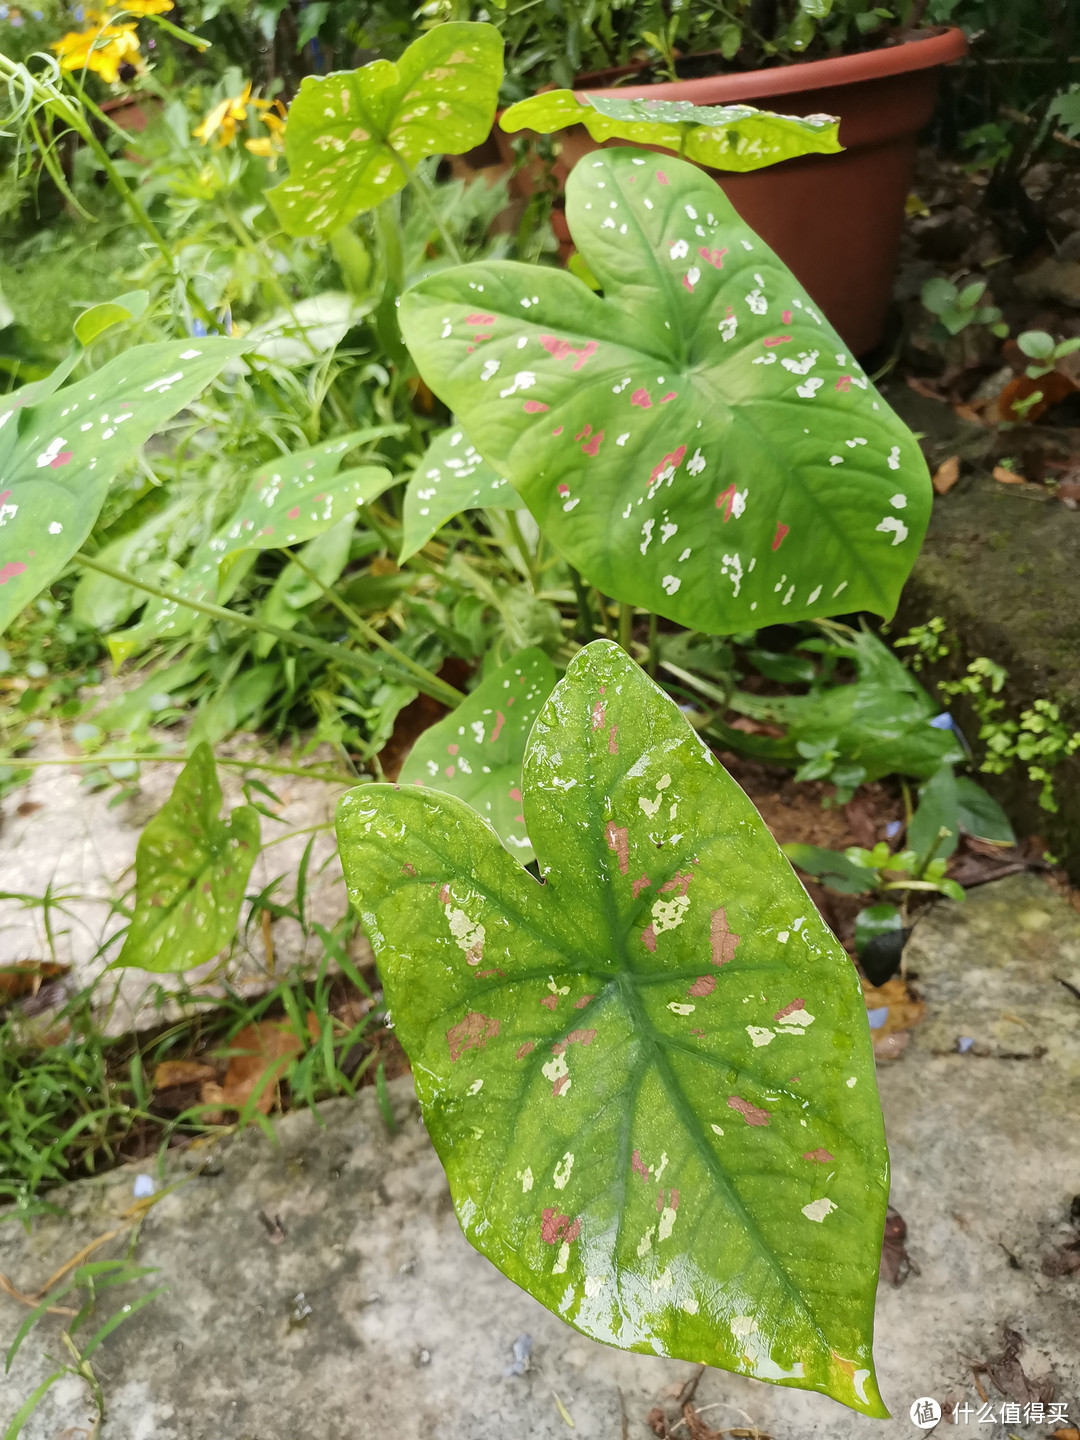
point(354, 659)
point(371, 634)
point(654, 647)
point(308, 773)
point(422, 190)
point(626, 627)
point(585, 629)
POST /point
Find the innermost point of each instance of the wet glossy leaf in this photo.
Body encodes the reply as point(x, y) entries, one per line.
point(346, 131)
point(698, 442)
point(477, 751)
point(650, 1078)
point(450, 478)
point(190, 871)
point(724, 137)
point(290, 500)
point(60, 450)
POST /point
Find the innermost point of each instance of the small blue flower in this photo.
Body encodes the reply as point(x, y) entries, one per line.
point(3, 12)
point(198, 329)
point(877, 1017)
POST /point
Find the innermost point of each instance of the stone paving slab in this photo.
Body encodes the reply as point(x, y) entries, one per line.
point(410, 1330)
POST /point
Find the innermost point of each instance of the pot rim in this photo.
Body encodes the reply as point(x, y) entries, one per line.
point(926, 51)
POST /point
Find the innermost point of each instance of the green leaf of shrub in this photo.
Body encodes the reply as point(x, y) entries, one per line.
point(650, 1078)
point(934, 830)
point(831, 867)
point(450, 478)
point(347, 133)
point(477, 751)
point(60, 451)
point(190, 871)
point(725, 137)
point(981, 815)
point(699, 442)
point(99, 318)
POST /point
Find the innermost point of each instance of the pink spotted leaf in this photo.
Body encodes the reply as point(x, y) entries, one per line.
point(697, 439)
point(60, 448)
point(650, 1077)
point(477, 751)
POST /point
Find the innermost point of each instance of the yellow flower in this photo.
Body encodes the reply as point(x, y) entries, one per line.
point(144, 7)
point(237, 110)
point(103, 49)
point(225, 116)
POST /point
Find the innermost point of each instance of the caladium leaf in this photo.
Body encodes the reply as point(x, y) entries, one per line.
point(698, 441)
point(724, 137)
point(450, 478)
point(59, 451)
point(649, 1079)
point(190, 871)
point(290, 500)
point(347, 133)
point(477, 751)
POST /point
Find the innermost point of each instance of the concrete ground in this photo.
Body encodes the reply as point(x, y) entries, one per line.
point(321, 1288)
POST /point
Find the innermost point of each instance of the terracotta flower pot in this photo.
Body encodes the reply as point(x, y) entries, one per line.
point(834, 219)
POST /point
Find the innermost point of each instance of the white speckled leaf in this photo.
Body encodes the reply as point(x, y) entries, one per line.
point(290, 500)
point(698, 441)
point(345, 130)
point(59, 451)
point(450, 478)
point(650, 1079)
point(725, 137)
point(476, 752)
point(190, 871)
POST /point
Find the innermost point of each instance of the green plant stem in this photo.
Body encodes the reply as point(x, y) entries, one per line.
point(527, 557)
point(585, 629)
point(354, 659)
point(654, 647)
point(422, 190)
point(141, 759)
point(626, 627)
point(370, 633)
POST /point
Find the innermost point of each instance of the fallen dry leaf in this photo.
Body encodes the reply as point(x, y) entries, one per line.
point(904, 1009)
point(1007, 477)
point(924, 388)
point(25, 977)
point(1053, 388)
point(1069, 1433)
point(968, 413)
point(1008, 1375)
point(946, 475)
point(895, 1261)
point(260, 1056)
point(182, 1072)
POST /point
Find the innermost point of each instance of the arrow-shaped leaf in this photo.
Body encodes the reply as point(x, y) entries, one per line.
point(59, 451)
point(290, 500)
point(476, 752)
point(347, 133)
point(698, 441)
point(190, 871)
point(650, 1078)
point(725, 137)
point(450, 478)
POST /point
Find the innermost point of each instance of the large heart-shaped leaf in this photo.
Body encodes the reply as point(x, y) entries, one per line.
point(290, 500)
point(450, 478)
point(725, 137)
point(477, 751)
point(650, 1078)
point(59, 452)
point(697, 442)
point(347, 133)
point(190, 871)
